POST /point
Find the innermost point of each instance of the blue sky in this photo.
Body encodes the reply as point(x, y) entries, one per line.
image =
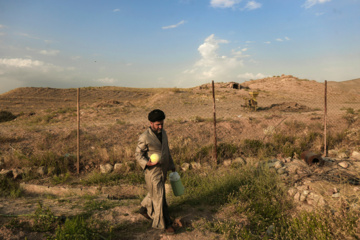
point(175, 43)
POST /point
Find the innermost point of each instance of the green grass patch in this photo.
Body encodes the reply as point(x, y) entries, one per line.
point(9, 187)
point(255, 193)
point(77, 228)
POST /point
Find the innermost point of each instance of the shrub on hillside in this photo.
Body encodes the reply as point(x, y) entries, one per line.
point(6, 116)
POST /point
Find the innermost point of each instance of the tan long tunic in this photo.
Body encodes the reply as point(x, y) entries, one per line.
point(155, 177)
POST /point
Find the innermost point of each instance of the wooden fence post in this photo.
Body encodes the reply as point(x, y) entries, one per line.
point(325, 121)
point(78, 131)
point(215, 141)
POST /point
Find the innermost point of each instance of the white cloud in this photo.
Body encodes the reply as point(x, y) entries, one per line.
point(252, 5)
point(20, 63)
point(267, 42)
point(224, 3)
point(49, 52)
point(279, 40)
point(175, 25)
point(310, 3)
point(106, 80)
point(116, 10)
point(2, 26)
point(319, 14)
point(10, 65)
point(213, 66)
point(248, 76)
point(287, 39)
point(239, 53)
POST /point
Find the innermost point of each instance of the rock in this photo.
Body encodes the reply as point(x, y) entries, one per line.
point(42, 170)
point(227, 163)
point(342, 155)
point(303, 196)
point(314, 199)
point(271, 163)
point(297, 196)
point(106, 168)
point(292, 192)
point(355, 155)
point(281, 170)
point(185, 166)
point(195, 165)
point(278, 165)
point(118, 166)
point(7, 173)
point(292, 169)
point(336, 195)
point(343, 164)
point(239, 160)
point(17, 174)
point(303, 187)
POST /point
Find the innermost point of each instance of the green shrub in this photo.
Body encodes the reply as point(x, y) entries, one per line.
point(44, 220)
point(9, 187)
point(76, 229)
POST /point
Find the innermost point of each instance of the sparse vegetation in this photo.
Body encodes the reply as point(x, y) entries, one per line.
point(238, 201)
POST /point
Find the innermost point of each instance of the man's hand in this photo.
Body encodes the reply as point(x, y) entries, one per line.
point(150, 164)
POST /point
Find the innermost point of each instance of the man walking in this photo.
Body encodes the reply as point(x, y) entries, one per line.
point(154, 141)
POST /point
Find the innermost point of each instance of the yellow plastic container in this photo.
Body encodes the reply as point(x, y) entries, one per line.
point(176, 184)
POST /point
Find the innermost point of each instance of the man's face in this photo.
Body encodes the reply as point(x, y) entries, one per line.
point(157, 126)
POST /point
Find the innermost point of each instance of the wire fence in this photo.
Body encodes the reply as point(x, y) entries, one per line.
point(325, 110)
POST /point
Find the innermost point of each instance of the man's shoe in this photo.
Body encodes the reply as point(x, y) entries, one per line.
point(143, 211)
point(170, 230)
